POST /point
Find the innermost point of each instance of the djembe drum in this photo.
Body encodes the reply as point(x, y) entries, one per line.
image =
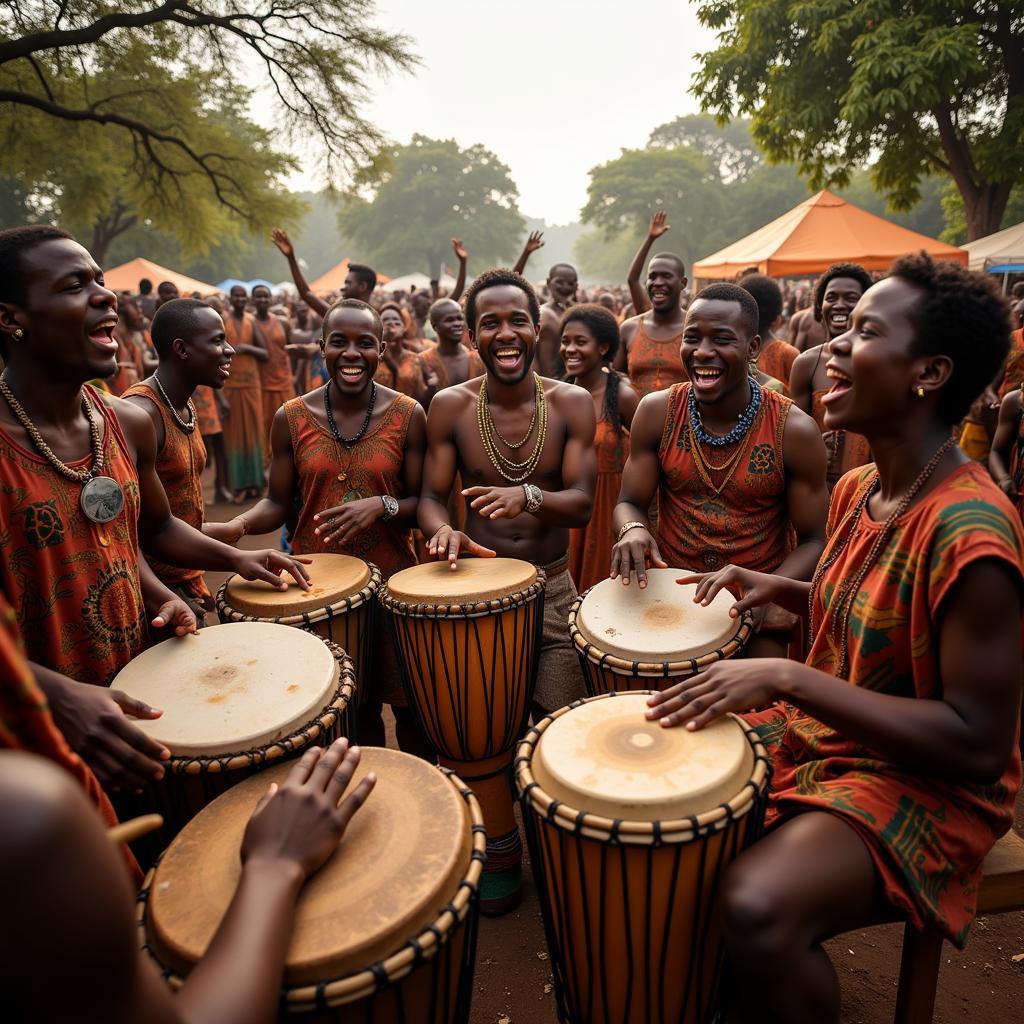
point(630, 827)
point(339, 605)
point(468, 643)
point(384, 931)
point(633, 639)
point(235, 699)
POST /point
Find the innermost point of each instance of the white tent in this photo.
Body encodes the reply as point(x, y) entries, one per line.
point(418, 281)
point(1001, 253)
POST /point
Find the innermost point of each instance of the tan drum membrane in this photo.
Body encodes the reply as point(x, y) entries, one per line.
point(475, 580)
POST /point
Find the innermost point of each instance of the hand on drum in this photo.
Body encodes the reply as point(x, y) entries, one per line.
point(496, 502)
point(633, 554)
point(267, 565)
point(343, 523)
point(176, 615)
point(449, 543)
point(95, 722)
point(753, 589)
point(736, 685)
point(300, 823)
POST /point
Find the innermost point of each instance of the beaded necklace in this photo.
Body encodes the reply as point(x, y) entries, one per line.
point(738, 432)
point(347, 442)
point(512, 471)
point(185, 428)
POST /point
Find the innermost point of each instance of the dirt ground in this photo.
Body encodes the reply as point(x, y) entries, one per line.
point(984, 983)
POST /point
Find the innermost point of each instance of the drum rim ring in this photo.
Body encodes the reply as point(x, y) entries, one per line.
point(467, 610)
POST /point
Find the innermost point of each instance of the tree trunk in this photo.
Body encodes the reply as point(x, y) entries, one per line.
point(106, 229)
point(985, 208)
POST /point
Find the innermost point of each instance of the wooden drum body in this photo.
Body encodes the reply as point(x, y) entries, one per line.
point(630, 827)
point(340, 605)
point(633, 639)
point(236, 699)
point(385, 931)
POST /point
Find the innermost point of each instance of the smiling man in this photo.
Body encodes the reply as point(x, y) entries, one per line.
point(733, 465)
point(562, 283)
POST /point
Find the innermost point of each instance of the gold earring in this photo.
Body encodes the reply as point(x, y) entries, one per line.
point(920, 391)
point(19, 333)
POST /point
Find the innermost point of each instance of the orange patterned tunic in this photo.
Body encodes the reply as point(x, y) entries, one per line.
point(206, 409)
point(245, 437)
point(776, 359)
point(407, 380)
point(1013, 371)
point(590, 547)
point(747, 521)
point(179, 464)
point(74, 584)
point(654, 365)
point(927, 836)
point(276, 373)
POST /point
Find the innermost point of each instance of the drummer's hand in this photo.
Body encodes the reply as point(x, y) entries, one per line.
point(94, 721)
point(753, 589)
point(449, 543)
point(267, 565)
point(299, 824)
point(177, 615)
point(496, 502)
point(343, 523)
point(736, 685)
point(633, 553)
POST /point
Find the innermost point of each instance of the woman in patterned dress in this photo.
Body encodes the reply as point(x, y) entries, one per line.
point(895, 746)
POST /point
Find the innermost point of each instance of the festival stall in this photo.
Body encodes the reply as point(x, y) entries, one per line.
point(126, 277)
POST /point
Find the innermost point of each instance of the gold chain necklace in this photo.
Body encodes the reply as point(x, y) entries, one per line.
point(512, 471)
point(704, 465)
point(849, 590)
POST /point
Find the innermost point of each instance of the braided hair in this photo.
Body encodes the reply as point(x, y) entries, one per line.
point(605, 329)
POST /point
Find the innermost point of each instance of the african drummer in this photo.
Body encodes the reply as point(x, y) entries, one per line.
point(524, 446)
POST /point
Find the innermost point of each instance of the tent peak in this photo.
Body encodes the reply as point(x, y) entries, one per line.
point(825, 198)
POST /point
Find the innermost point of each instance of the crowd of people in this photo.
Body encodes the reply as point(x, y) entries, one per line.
point(845, 456)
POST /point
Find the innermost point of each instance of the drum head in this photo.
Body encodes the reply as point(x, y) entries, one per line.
point(232, 687)
point(475, 579)
point(332, 578)
point(401, 859)
point(658, 624)
point(603, 757)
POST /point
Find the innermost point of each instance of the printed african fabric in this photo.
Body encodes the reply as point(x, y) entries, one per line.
point(926, 836)
point(74, 584)
point(1013, 369)
point(205, 404)
point(654, 365)
point(1016, 466)
point(776, 359)
point(275, 374)
point(244, 433)
point(405, 376)
point(179, 464)
point(844, 450)
point(746, 522)
point(590, 547)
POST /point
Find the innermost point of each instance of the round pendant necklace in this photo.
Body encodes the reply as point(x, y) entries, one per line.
point(347, 442)
point(102, 498)
point(185, 427)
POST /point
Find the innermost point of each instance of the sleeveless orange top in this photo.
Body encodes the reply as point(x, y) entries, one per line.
point(433, 363)
point(245, 369)
point(654, 365)
point(206, 409)
point(844, 449)
point(74, 584)
point(747, 522)
point(331, 474)
point(179, 465)
point(409, 378)
point(276, 372)
point(1013, 370)
point(776, 359)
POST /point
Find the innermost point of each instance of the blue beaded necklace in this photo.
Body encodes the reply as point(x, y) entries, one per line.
point(742, 424)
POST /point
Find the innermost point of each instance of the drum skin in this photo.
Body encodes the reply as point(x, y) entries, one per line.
point(674, 646)
point(629, 907)
point(410, 957)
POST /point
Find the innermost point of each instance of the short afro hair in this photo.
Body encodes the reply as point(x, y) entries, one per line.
point(14, 242)
point(493, 279)
point(677, 260)
point(768, 296)
point(562, 266)
point(355, 304)
point(724, 292)
point(603, 326)
point(368, 276)
point(437, 308)
point(963, 316)
point(176, 318)
point(852, 270)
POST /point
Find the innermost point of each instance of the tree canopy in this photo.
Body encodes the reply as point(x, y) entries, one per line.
point(417, 197)
point(936, 87)
point(116, 114)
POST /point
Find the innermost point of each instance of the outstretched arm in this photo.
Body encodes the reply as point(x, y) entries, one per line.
point(637, 292)
point(533, 243)
point(283, 243)
point(463, 257)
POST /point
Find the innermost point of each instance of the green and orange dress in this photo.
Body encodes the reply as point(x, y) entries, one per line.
point(245, 435)
point(927, 836)
point(276, 380)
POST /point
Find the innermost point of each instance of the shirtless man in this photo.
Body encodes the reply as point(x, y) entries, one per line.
point(449, 362)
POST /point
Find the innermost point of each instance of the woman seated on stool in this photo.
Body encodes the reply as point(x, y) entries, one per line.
point(887, 794)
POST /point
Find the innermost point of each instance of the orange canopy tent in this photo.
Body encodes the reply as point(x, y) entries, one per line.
point(333, 280)
point(822, 230)
point(126, 277)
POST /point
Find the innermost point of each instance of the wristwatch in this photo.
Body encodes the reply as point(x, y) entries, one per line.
point(390, 506)
point(534, 497)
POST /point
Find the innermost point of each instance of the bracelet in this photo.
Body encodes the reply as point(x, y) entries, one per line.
point(626, 527)
point(534, 497)
point(390, 506)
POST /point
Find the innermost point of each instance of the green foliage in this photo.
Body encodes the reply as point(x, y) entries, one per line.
point(831, 85)
point(603, 260)
point(427, 193)
point(956, 218)
point(729, 147)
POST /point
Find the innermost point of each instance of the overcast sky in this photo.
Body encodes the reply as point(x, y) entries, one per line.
point(553, 87)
